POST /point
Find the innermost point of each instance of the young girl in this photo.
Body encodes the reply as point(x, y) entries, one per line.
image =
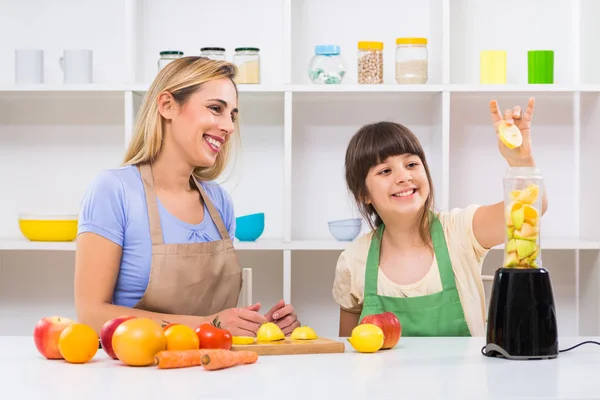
point(423, 266)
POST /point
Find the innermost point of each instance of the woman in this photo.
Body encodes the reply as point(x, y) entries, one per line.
point(155, 235)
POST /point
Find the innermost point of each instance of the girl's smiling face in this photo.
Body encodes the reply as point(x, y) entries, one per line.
point(398, 186)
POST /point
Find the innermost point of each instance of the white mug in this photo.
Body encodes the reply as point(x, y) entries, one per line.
point(77, 66)
point(29, 66)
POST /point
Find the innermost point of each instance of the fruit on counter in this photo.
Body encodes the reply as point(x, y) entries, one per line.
point(136, 341)
point(46, 334)
point(389, 324)
point(269, 332)
point(243, 340)
point(78, 343)
point(107, 331)
point(181, 337)
point(366, 338)
point(210, 359)
point(304, 333)
point(212, 336)
point(510, 135)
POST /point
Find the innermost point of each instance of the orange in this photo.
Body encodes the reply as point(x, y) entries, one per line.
point(78, 343)
point(181, 337)
point(136, 341)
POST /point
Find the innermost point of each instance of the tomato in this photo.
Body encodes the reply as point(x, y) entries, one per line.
point(212, 336)
point(389, 323)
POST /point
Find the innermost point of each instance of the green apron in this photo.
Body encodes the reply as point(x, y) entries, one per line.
point(437, 314)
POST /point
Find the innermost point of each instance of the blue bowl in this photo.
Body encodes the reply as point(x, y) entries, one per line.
point(345, 230)
point(249, 227)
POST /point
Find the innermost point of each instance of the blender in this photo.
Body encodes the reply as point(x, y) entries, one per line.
point(522, 321)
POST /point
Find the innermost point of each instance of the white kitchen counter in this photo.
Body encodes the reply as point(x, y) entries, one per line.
point(418, 368)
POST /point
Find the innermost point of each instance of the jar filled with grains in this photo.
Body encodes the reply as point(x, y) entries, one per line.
point(247, 59)
point(370, 62)
point(214, 53)
point(411, 60)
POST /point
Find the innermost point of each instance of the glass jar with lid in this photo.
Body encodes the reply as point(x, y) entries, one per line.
point(523, 191)
point(411, 60)
point(247, 60)
point(327, 66)
point(168, 56)
point(214, 53)
point(370, 62)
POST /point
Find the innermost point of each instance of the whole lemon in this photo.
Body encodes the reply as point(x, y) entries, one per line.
point(136, 341)
point(366, 338)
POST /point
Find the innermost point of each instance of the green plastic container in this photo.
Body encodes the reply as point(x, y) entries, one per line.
point(540, 66)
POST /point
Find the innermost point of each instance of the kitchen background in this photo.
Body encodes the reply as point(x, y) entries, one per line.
point(62, 122)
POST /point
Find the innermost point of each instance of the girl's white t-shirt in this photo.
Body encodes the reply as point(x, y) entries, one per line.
point(466, 255)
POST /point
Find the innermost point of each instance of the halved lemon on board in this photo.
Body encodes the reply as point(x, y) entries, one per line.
point(242, 340)
point(510, 135)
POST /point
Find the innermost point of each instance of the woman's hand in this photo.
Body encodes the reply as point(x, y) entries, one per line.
point(242, 321)
point(520, 156)
point(284, 317)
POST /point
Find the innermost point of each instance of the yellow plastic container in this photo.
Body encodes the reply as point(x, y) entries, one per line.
point(492, 67)
point(49, 227)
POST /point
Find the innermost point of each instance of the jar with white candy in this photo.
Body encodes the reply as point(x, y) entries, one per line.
point(370, 62)
point(326, 66)
point(411, 60)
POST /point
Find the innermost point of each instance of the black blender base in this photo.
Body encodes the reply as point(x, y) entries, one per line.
point(493, 350)
point(522, 322)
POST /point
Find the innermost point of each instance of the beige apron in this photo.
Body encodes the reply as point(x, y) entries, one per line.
point(193, 278)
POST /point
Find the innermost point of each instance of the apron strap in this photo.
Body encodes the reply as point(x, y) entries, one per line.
point(372, 268)
point(151, 203)
point(212, 211)
point(441, 254)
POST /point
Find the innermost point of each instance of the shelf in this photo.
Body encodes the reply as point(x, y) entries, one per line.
point(274, 244)
point(313, 88)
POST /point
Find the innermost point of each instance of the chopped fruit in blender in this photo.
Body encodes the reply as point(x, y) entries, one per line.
point(529, 195)
point(531, 214)
point(510, 135)
point(511, 260)
point(517, 217)
point(527, 232)
point(511, 246)
point(525, 248)
point(509, 232)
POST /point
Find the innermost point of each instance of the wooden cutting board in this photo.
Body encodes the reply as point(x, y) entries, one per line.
point(289, 346)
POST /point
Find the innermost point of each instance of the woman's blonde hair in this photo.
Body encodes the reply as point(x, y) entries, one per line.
point(181, 78)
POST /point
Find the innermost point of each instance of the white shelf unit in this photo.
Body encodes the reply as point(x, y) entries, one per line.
point(55, 138)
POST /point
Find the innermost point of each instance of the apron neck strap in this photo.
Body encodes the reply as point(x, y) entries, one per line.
point(439, 246)
point(212, 211)
point(151, 204)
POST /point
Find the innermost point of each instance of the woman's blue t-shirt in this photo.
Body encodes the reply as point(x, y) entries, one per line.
point(114, 206)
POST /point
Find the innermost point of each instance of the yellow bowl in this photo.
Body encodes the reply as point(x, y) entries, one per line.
point(49, 227)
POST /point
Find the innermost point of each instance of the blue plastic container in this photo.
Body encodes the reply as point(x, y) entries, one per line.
point(345, 230)
point(249, 227)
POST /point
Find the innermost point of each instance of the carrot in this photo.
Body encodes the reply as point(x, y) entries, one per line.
point(167, 359)
point(227, 358)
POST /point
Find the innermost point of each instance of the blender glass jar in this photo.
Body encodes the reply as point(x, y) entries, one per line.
point(523, 190)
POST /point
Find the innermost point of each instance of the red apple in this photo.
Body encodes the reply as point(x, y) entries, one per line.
point(389, 324)
point(107, 331)
point(46, 334)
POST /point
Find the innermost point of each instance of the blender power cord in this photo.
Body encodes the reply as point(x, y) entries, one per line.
point(560, 351)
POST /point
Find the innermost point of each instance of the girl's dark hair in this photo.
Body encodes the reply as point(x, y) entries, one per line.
point(372, 144)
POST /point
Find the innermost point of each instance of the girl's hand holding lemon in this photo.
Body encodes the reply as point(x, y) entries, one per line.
point(513, 133)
